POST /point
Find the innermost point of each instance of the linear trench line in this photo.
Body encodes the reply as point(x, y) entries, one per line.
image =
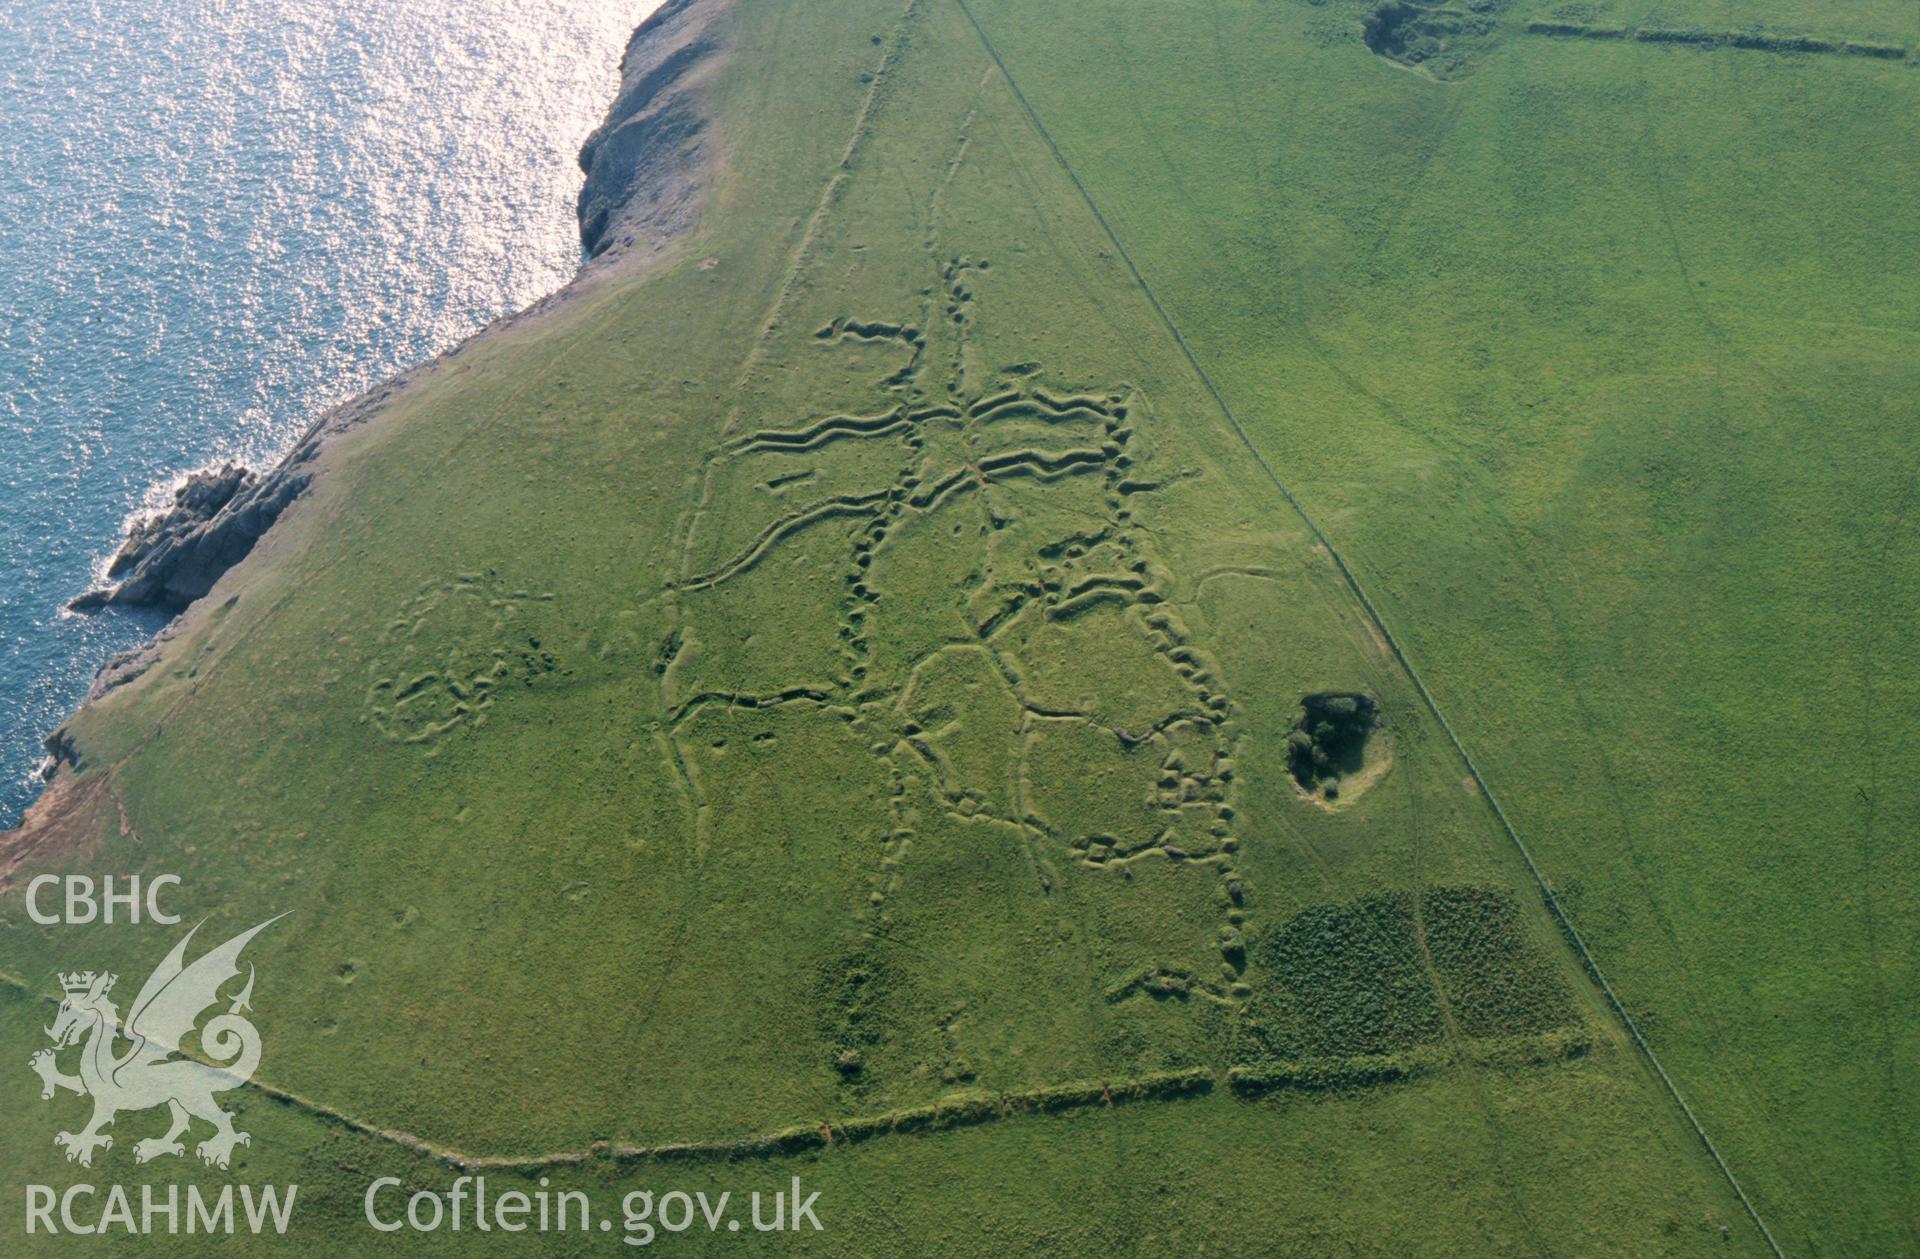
point(1393, 643)
point(952, 1111)
point(957, 1110)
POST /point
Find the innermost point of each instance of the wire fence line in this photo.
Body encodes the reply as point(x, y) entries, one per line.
point(1393, 643)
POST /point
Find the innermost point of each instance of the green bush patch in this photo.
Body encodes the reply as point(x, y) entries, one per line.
point(1498, 980)
point(1353, 983)
point(1353, 973)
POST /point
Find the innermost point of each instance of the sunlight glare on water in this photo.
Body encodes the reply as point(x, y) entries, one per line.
point(217, 217)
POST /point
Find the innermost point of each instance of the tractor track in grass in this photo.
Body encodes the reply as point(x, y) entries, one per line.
point(1657, 178)
point(1373, 613)
point(1870, 800)
point(1659, 166)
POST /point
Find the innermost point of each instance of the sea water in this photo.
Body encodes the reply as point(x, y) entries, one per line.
point(218, 217)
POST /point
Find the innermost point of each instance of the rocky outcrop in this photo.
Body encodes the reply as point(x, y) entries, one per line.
point(61, 750)
point(217, 515)
point(174, 556)
point(198, 499)
point(120, 669)
point(647, 163)
point(171, 559)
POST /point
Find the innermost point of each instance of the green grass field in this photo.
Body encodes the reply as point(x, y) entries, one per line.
point(846, 671)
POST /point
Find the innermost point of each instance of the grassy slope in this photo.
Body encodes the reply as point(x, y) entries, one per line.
point(1599, 365)
point(617, 909)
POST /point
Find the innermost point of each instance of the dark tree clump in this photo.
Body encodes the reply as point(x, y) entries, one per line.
point(1330, 738)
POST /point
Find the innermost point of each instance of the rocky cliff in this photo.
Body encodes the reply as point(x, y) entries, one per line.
point(647, 163)
point(646, 167)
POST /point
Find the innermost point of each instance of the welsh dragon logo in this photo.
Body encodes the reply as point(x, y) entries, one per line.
point(150, 1072)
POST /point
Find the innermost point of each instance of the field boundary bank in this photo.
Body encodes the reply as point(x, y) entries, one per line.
point(1745, 40)
point(969, 1108)
point(1373, 613)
